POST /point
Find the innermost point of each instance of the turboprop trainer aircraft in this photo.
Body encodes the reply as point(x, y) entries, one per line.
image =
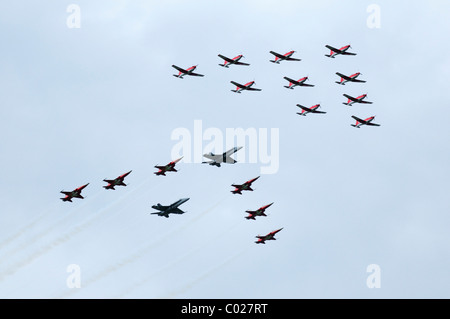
point(334, 51)
point(244, 87)
point(171, 209)
point(227, 61)
point(182, 72)
point(293, 83)
point(351, 78)
point(312, 109)
point(367, 121)
point(217, 159)
point(283, 57)
point(75, 193)
point(359, 99)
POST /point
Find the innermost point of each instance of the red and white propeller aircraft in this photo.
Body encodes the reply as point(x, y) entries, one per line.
point(182, 72)
point(227, 61)
point(75, 193)
point(269, 236)
point(259, 212)
point(293, 83)
point(351, 78)
point(359, 99)
point(243, 187)
point(283, 57)
point(367, 121)
point(312, 109)
point(167, 168)
point(116, 182)
point(246, 86)
point(334, 51)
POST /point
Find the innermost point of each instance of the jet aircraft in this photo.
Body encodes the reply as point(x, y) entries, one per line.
point(269, 236)
point(167, 168)
point(116, 182)
point(259, 212)
point(171, 209)
point(217, 159)
point(243, 187)
point(76, 193)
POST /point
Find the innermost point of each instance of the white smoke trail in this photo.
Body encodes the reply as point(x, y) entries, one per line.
point(64, 238)
point(141, 252)
point(175, 262)
point(203, 276)
point(27, 227)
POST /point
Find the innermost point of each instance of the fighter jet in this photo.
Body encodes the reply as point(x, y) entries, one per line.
point(243, 187)
point(259, 212)
point(269, 236)
point(75, 193)
point(216, 160)
point(171, 209)
point(116, 182)
point(167, 168)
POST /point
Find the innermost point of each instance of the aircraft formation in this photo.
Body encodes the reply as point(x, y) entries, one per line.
point(225, 158)
point(292, 83)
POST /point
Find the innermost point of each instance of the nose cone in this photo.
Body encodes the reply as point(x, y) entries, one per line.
point(184, 200)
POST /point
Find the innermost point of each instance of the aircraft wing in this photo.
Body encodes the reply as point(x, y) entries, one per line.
point(291, 80)
point(347, 53)
point(241, 63)
point(179, 69)
point(372, 124)
point(225, 58)
point(333, 49)
point(304, 84)
point(304, 108)
point(195, 74)
point(316, 111)
point(280, 56)
point(176, 211)
point(232, 151)
point(356, 80)
point(345, 77)
point(252, 89)
point(213, 157)
point(351, 98)
point(293, 59)
point(359, 120)
point(239, 85)
point(365, 102)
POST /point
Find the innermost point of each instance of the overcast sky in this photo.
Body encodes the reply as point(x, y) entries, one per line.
point(79, 105)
